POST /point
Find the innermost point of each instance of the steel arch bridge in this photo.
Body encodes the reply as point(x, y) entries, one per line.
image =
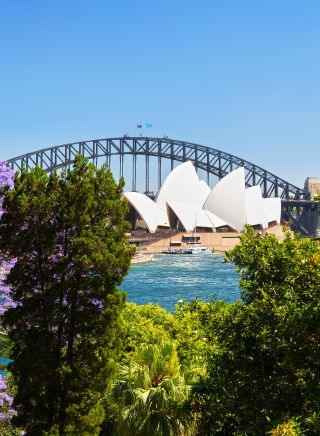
point(210, 160)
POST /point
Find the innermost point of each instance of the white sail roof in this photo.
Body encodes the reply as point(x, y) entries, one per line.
point(273, 209)
point(204, 190)
point(189, 215)
point(255, 210)
point(182, 184)
point(227, 199)
point(152, 215)
point(191, 201)
point(216, 221)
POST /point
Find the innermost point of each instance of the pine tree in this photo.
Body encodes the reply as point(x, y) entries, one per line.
point(67, 233)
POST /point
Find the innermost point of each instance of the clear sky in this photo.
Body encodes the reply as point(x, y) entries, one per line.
point(238, 75)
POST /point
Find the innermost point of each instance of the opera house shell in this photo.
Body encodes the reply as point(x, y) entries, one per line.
point(186, 203)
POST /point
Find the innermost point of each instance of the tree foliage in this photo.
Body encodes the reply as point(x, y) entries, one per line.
point(191, 320)
point(145, 324)
point(264, 358)
point(6, 411)
point(6, 183)
point(252, 367)
point(279, 271)
point(150, 324)
point(67, 233)
point(149, 393)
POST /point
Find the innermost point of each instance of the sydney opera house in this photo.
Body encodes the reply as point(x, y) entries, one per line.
point(186, 203)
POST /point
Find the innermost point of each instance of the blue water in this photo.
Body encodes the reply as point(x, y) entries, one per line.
point(3, 361)
point(172, 277)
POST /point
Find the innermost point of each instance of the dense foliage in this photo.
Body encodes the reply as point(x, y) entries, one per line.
point(82, 357)
point(67, 233)
point(264, 355)
point(6, 183)
point(6, 391)
point(148, 393)
point(146, 324)
point(159, 363)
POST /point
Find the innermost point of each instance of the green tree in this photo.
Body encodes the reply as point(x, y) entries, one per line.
point(191, 320)
point(145, 324)
point(279, 271)
point(150, 324)
point(263, 359)
point(67, 233)
point(148, 394)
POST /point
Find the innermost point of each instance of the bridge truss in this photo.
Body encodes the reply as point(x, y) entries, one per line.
point(211, 161)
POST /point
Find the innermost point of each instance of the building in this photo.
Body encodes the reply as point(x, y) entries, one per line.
point(312, 185)
point(186, 203)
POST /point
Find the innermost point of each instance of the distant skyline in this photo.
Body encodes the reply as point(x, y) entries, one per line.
point(240, 75)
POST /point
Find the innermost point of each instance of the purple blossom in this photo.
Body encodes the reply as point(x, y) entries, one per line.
point(6, 179)
point(6, 412)
point(4, 396)
point(97, 302)
point(3, 384)
point(6, 400)
point(6, 175)
point(5, 299)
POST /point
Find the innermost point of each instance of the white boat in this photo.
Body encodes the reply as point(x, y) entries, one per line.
point(177, 251)
point(201, 250)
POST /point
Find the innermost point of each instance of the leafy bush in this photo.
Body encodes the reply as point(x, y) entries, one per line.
point(264, 358)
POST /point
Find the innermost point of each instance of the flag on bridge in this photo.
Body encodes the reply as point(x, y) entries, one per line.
point(139, 126)
point(148, 125)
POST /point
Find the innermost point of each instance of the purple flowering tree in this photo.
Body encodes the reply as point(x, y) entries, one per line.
point(6, 411)
point(68, 234)
point(5, 400)
point(6, 181)
point(6, 175)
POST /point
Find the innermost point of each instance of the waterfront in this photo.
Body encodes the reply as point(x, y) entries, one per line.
point(170, 278)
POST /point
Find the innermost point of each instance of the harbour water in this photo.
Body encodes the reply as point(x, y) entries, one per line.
point(172, 277)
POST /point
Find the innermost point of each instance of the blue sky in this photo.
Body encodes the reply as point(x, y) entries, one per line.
point(238, 75)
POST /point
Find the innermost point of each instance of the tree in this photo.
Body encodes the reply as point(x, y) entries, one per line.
point(67, 233)
point(145, 324)
point(263, 362)
point(6, 411)
point(6, 183)
point(6, 399)
point(191, 320)
point(316, 197)
point(279, 271)
point(148, 394)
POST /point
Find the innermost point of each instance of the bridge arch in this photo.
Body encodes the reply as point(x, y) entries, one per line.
point(207, 159)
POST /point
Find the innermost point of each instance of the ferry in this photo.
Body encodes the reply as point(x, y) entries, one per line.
point(177, 251)
point(191, 250)
point(201, 250)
